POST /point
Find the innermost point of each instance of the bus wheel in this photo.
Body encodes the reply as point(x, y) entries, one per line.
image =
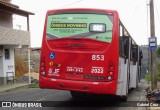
point(123, 98)
point(76, 94)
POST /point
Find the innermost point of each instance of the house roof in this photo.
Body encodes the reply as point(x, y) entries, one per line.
point(14, 9)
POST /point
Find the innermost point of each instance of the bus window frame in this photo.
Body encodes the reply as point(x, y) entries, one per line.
point(123, 40)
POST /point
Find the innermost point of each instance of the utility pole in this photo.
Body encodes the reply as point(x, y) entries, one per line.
point(153, 52)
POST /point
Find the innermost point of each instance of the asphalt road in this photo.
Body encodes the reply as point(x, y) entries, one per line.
point(62, 97)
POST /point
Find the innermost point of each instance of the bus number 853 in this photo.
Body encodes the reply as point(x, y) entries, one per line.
point(98, 57)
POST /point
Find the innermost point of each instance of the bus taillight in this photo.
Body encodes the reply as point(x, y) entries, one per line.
point(42, 68)
point(110, 73)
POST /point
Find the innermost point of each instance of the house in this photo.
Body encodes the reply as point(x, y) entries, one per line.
point(10, 38)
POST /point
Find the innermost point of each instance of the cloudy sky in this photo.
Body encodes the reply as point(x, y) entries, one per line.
point(133, 14)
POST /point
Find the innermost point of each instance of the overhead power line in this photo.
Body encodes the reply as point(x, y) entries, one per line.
point(70, 4)
point(157, 12)
point(62, 6)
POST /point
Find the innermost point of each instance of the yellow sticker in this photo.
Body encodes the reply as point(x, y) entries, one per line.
point(59, 65)
point(51, 63)
point(54, 64)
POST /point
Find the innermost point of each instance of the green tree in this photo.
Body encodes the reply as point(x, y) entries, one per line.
point(158, 63)
point(158, 52)
point(148, 76)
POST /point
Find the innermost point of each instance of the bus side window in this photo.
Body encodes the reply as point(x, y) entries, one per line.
point(126, 46)
point(134, 54)
point(123, 42)
point(140, 57)
point(121, 47)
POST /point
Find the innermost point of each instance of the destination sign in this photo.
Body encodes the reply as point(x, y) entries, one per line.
point(68, 25)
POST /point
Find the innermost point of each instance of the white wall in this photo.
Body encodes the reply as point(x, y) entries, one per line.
point(122, 86)
point(8, 64)
point(133, 75)
point(1, 66)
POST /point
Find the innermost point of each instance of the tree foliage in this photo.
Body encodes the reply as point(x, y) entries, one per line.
point(158, 63)
point(158, 52)
point(148, 77)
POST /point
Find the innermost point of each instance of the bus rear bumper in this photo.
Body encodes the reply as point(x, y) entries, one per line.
point(81, 86)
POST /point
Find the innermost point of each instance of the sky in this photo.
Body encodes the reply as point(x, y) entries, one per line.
point(134, 14)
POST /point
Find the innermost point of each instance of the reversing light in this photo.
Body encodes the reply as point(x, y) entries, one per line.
point(97, 27)
point(109, 77)
point(43, 73)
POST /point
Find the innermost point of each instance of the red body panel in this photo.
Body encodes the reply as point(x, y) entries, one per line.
point(82, 86)
point(74, 61)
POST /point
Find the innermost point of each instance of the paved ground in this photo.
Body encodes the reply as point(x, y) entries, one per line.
point(13, 87)
point(61, 97)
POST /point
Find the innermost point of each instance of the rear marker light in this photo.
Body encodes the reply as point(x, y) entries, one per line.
point(53, 80)
point(95, 83)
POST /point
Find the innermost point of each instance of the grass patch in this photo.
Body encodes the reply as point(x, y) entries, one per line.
point(148, 77)
point(34, 85)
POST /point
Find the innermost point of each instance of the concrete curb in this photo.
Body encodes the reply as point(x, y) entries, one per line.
point(15, 88)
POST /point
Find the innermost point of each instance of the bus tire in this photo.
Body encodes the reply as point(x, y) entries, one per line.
point(137, 84)
point(123, 98)
point(76, 94)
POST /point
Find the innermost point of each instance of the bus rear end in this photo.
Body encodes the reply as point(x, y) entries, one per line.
point(80, 51)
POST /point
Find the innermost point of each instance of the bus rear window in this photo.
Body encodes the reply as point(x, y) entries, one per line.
point(94, 26)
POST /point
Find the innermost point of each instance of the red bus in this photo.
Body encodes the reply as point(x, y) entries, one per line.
point(88, 51)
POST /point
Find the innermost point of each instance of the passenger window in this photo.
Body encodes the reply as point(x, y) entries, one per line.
point(134, 53)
